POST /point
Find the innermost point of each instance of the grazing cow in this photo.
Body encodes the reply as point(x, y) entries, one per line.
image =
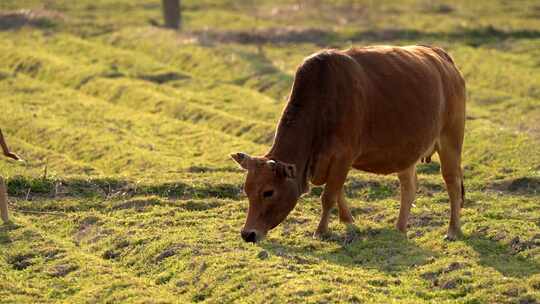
point(3, 188)
point(378, 109)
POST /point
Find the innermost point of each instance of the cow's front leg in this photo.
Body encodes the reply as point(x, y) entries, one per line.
point(332, 194)
point(328, 200)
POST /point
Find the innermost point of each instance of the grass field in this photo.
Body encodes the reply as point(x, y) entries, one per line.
point(128, 193)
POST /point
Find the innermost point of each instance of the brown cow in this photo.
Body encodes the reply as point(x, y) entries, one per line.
point(378, 109)
point(3, 188)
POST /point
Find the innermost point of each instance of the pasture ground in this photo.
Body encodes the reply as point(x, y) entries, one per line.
point(128, 193)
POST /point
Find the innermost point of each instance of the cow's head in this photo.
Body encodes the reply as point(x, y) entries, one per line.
point(272, 191)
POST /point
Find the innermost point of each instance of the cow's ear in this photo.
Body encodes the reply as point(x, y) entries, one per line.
point(290, 170)
point(242, 159)
point(282, 169)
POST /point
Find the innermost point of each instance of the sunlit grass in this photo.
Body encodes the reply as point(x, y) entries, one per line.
point(128, 193)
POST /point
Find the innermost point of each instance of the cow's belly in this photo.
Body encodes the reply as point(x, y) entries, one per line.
point(394, 141)
point(391, 159)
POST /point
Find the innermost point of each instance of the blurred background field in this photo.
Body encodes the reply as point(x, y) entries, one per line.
point(128, 193)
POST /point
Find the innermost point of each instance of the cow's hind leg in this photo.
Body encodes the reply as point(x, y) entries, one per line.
point(345, 215)
point(408, 183)
point(450, 156)
point(3, 201)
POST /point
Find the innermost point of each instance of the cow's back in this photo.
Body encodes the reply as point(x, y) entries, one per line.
point(409, 98)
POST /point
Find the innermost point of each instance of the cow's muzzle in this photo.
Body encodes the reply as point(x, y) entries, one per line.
point(252, 235)
point(249, 236)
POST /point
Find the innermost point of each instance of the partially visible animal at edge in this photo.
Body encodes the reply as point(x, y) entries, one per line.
point(3, 188)
point(378, 109)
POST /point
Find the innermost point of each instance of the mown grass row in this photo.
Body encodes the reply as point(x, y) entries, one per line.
point(231, 64)
point(426, 264)
point(48, 262)
point(137, 94)
point(156, 145)
point(192, 247)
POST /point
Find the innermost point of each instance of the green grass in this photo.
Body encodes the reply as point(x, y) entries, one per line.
point(128, 193)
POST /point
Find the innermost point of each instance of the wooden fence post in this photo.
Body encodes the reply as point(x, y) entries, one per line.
point(172, 14)
point(3, 201)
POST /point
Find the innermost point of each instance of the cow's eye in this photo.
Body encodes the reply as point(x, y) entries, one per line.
point(268, 194)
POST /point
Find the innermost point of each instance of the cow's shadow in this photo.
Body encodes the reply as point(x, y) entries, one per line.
point(502, 257)
point(5, 229)
point(387, 250)
point(383, 249)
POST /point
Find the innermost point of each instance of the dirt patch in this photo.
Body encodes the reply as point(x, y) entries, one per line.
point(201, 169)
point(90, 231)
point(12, 20)
point(110, 254)
point(521, 185)
point(292, 257)
point(519, 245)
point(52, 253)
point(193, 205)
point(513, 292)
point(169, 252)
point(434, 276)
point(430, 276)
point(527, 184)
point(455, 266)
point(450, 284)
point(438, 8)
point(534, 129)
point(88, 221)
point(425, 220)
point(121, 244)
point(500, 235)
point(273, 35)
point(62, 270)
point(416, 234)
point(429, 189)
point(528, 299)
point(378, 283)
point(263, 255)
point(164, 77)
point(297, 220)
point(136, 204)
point(21, 261)
point(4, 75)
point(364, 211)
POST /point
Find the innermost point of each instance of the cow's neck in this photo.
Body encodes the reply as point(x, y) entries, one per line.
point(293, 145)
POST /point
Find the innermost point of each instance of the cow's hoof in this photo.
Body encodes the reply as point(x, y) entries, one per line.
point(10, 225)
point(452, 235)
point(449, 237)
point(402, 228)
point(320, 234)
point(346, 217)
